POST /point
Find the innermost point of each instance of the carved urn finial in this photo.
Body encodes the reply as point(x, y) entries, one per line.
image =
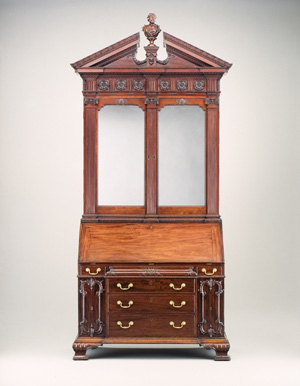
point(151, 30)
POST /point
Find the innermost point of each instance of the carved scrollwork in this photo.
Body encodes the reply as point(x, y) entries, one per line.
point(151, 101)
point(164, 85)
point(90, 101)
point(212, 101)
point(181, 101)
point(138, 85)
point(198, 85)
point(91, 331)
point(104, 85)
point(121, 84)
point(151, 272)
point(121, 101)
point(210, 331)
point(181, 85)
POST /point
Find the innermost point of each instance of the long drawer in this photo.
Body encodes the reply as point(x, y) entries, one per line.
point(127, 304)
point(130, 285)
point(158, 325)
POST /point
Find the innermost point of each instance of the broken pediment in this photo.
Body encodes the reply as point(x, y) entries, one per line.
point(123, 54)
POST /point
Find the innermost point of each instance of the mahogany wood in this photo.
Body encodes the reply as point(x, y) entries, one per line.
point(151, 247)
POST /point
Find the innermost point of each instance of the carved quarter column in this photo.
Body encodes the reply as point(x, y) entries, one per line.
point(151, 103)
point(212, 156)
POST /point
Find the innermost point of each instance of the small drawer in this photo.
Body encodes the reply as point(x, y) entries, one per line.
point(154, 325)
point(209, 270)
point(91, 270)
point(126, 303)
point(129, 285)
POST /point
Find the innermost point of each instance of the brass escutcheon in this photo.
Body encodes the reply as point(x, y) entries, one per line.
point(182, 324)
point(209, 273)
point(119, 285)
point(183, 303)
point(119, 323)
point(130, 303)
point(177, 289)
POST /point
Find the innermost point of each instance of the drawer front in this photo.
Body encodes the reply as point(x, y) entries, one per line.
point(209, 270)
point(130, 285)
point(127, 304)
point(91, 270)
point(158, 325)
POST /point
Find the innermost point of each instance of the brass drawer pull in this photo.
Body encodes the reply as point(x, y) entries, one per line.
point(93, 273)
point(209, 273)
point(182, 324)
point(177, 289)
point(129, 325)
point(130, 303)
point(183, 303)
point(119, 285)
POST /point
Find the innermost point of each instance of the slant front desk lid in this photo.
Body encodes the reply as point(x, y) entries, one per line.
point(155, 243)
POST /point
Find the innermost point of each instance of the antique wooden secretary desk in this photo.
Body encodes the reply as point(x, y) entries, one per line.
point(151, 263)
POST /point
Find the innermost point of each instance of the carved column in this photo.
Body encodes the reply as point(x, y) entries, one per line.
point(151, 103)
point(90, 161)
point(212, 157)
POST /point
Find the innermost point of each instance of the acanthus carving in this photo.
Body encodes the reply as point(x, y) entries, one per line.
point(212, 101)
point(164, 85)
point(90, 101)
point(151, 101)
point(121, 84)
point(151, 272)
point(138, 85)
point(121, 101)
point(91, 283)
point(210, 331)
point(198, 85)
point(181, 85)
point(181, 101)
point(104, 85)
point(191, 272)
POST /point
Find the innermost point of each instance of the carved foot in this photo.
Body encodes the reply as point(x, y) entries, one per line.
point(81, 347)
point(221, 347)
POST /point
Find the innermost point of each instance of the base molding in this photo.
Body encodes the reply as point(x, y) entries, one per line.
point(220, 345)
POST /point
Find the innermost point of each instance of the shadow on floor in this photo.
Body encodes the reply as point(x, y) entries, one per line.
point(151, 353)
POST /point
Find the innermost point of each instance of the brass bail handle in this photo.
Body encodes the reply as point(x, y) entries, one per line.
point(130, 303)
point(209, 273)
point(93, 273)
point(177, 289)
point(119, 285)
point(183, 303)
point(181, 325)
point(119, 323)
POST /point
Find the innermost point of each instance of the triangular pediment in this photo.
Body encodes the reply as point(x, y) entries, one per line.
point(122, 55)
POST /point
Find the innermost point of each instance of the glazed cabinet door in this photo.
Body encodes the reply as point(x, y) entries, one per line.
point(91, 307)
point(211, 307)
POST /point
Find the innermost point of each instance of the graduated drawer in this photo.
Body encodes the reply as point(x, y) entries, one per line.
point(155, 325)
point(129, 285)
point(127, 304)
point(210, 270)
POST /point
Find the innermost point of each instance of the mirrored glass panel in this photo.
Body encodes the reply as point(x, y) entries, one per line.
point(181, 147)
point(121, 156)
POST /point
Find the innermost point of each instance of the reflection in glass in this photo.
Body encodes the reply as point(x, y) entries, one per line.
point(181, 146)
point(121, 156)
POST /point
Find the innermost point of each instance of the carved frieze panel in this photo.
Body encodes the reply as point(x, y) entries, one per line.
point(181, 85)
point(164, 85)
point(90, 101)
point(121, 84)
point(103, 85)
point(138, 85)
point(212, 101)
point(199, 85)
point(151, 101)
